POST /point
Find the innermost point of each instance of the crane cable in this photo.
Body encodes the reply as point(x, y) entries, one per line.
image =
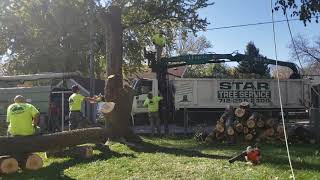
point(279, 89)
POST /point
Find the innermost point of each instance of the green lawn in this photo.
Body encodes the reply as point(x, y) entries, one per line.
point(180, 158)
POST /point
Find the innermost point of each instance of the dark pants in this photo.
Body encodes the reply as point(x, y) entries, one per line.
point(154, 122)
point(75, 120)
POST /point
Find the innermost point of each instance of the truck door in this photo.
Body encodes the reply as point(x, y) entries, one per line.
point(142, 88)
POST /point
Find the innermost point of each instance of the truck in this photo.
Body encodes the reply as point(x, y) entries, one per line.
point(204, 94)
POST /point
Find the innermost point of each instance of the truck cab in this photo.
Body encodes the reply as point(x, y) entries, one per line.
point(142, 87)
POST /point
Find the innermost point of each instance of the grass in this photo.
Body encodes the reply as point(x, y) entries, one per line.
point(180, 158)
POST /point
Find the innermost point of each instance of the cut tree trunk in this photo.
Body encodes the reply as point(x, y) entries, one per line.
point(8, 165)
point(31, 162)
point(270, 122)
point(78, 151)
point(220, 127)
point(269, 132)
point(260, 123)
point(119, 118)
point(55, 141)
point(248, 137)
point(245, 130)
point(239, 127)
point(245, 105)
point(251, 123)
point(240, 112)
point(230, 131)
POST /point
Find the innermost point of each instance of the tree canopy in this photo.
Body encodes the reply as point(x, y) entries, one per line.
point(252, 65)
point(53, 36)
point(306, 10)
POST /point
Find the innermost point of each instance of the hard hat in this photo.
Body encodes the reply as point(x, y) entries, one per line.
point(75, 88)
point(107, 107)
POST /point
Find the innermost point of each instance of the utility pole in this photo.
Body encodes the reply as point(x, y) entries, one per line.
point(91, 56)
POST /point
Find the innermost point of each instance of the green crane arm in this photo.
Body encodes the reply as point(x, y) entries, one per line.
point(194, 59)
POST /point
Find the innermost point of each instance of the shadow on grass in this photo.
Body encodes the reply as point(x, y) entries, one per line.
point(269, 154)
point(56, 169)
point(152, 148)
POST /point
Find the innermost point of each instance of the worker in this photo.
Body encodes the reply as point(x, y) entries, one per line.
point(152, 102)
point(159, 41)
point(75, 101)
point(22, 118)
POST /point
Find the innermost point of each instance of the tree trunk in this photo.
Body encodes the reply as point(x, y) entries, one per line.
point(119, 118)
point(8, 165)
point(55, 141)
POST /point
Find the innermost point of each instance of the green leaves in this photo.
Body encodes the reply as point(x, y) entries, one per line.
point(53, 36)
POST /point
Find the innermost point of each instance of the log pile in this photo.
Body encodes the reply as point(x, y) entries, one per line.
point(242, 125)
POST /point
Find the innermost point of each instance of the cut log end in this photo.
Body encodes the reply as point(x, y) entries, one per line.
point(8, 165)
point(245, 130)
point(230, 131)
point(239, 127)
point(251, 123)
point(220, 127)
point(33, 162)
point(260, 123)
point(248, 137)
point(240, 112)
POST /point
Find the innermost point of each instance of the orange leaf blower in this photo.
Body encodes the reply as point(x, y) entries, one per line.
point(250, 154)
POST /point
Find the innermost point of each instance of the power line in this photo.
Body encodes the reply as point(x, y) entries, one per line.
point(252, 24)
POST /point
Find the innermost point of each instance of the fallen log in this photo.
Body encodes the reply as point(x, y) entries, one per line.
point(78, 151)
point(55, 141)
point(8, 165)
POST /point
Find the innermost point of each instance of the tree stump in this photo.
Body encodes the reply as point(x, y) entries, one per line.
point(8, 165)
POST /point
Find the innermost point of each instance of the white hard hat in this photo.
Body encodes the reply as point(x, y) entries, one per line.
point(107, 107)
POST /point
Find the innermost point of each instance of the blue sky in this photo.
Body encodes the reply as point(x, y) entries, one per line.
point(235, 12)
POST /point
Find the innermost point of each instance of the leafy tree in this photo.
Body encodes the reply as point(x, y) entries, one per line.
point(251, 67)
point(53, 36)
point(305, 9)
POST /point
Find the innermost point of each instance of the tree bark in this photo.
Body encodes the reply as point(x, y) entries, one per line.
point(55, 141)
point(119, 118)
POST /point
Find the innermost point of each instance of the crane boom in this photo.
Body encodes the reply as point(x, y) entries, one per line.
point(195, 59)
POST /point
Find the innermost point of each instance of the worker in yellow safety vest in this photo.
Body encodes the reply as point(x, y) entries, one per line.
point(75, 100)
point(159, 41)
point(22, 118)
point(152, 102)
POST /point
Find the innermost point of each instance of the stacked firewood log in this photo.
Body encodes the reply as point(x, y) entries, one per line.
point(242, 125)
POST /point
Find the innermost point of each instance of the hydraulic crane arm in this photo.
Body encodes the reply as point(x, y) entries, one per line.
point(182, 60)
